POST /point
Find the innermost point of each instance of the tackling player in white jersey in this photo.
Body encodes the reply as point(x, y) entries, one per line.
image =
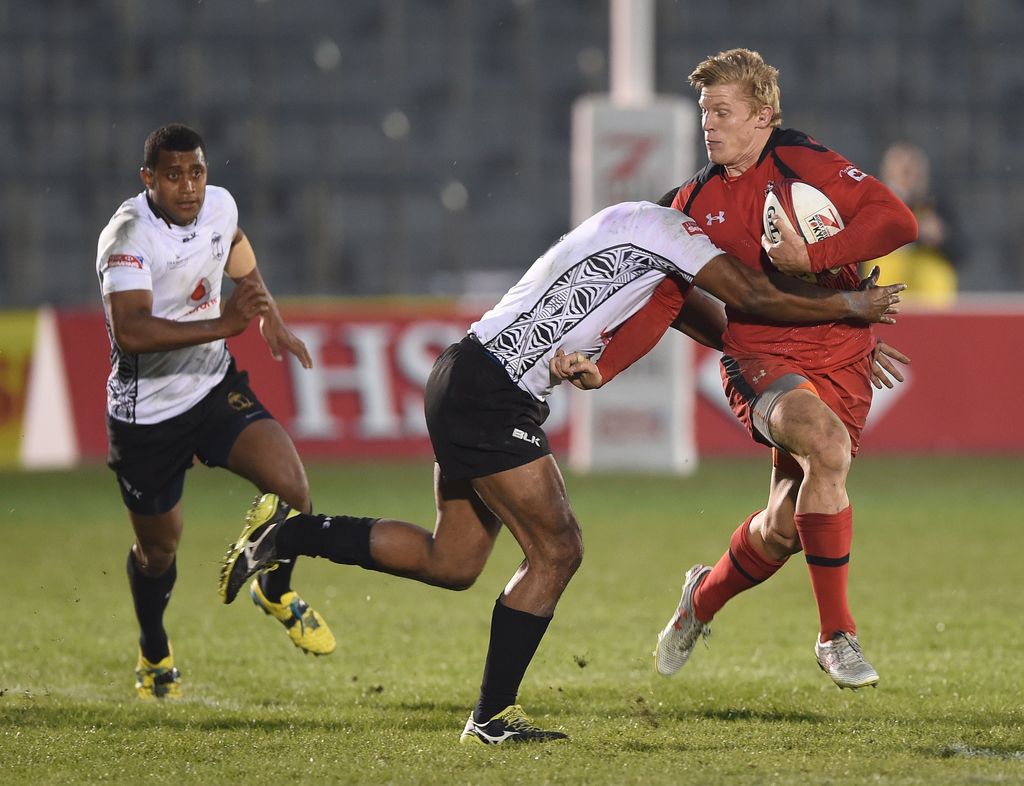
point(485, 408)
point(174, 392)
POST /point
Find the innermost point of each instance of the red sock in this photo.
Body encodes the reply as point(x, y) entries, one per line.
point(826, 539)
point(740, 568)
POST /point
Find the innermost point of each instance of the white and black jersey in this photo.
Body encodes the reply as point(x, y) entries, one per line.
point(587, 285)
point(183, 266)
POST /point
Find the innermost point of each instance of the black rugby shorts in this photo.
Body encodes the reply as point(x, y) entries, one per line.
point(480, 422)
point(150, 460)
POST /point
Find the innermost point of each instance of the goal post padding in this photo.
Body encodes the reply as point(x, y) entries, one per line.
point(644, 420)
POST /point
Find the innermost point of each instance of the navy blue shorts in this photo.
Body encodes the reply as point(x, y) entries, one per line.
point(151, 459)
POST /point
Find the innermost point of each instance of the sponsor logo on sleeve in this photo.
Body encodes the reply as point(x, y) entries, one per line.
point(691, 227)
point(853, 173)
point(124, 260)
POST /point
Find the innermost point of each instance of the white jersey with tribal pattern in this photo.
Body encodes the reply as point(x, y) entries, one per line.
point(183, 266)
point(587, 284)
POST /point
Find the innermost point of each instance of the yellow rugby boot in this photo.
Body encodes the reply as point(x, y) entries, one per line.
point(157, 680)
point(306, 628)
point(511, 725)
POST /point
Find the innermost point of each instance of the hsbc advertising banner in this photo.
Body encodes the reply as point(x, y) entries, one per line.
point(363, 398)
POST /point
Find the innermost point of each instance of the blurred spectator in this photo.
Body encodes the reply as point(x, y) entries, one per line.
point(929, 265)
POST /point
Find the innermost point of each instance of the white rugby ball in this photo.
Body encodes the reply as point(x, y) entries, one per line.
point(804, 208)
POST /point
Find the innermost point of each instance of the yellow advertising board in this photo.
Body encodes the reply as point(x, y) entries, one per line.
point(17, 336)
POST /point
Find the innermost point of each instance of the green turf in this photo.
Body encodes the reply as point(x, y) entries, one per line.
point(935, 585)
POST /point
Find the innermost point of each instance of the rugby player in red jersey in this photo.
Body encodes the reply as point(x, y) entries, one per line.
point(804, 390)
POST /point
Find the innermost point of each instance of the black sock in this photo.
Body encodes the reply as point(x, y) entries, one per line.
point(341, 539)
point(515, 636)
point(150, 595)
point(277, 582)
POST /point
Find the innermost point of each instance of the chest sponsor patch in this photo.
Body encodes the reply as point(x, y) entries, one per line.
point(124, 260)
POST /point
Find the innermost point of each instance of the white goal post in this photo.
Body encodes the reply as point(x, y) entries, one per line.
point(631, 145)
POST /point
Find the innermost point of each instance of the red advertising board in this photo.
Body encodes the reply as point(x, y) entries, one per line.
point(363, 398)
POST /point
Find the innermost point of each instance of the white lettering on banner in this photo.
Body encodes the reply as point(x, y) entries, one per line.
point(384, 411)
point(368, 377)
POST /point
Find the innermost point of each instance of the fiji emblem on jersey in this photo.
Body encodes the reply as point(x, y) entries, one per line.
point(715, 218)
point(217, 244)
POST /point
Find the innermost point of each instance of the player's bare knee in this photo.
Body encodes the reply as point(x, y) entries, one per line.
point(154, 559)
point(293, 488)
point(460, 577)
point(564, 554)
point(832, 455)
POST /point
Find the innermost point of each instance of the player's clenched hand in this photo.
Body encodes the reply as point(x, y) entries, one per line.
point(882, 367)
point(576, 367)
point(248, 300)
point(280, 339)
point(789, 255)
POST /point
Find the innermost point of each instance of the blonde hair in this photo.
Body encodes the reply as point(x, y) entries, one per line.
point(759, 80)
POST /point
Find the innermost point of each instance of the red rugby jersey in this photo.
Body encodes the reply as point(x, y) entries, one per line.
point(729, 210)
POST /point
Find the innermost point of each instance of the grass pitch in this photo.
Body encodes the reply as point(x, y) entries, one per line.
point(935, 585)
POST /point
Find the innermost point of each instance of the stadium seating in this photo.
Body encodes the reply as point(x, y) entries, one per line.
point(292, 98)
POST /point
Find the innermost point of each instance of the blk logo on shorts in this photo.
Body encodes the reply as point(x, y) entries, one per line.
point(518, 433)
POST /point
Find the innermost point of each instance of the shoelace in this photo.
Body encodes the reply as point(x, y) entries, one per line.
point(522, 723)
point(848, 654)
point(689, 641)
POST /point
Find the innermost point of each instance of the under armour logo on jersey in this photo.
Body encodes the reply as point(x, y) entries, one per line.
point(712, 218)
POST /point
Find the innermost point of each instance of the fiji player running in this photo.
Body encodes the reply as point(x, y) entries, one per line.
point(174, 391)
point(485, 405)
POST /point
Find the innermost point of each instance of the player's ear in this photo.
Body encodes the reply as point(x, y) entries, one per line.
point(146, 176)
point(764, 116)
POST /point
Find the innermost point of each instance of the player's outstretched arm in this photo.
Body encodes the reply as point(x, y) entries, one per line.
point(785, 299)
point(136, 330)
point(241, 266)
